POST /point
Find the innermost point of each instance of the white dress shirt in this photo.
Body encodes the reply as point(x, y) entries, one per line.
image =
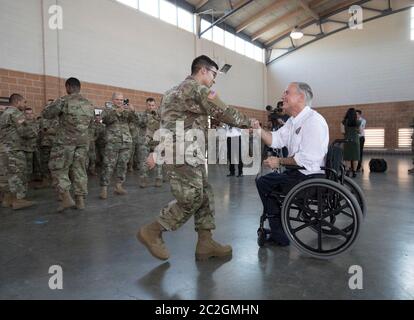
point(362, 127)
point(306, 137)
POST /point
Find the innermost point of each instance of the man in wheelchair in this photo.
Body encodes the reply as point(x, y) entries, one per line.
point(306, 136)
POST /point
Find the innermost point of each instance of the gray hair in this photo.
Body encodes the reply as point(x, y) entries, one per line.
point(116, 94)
point(306, 90)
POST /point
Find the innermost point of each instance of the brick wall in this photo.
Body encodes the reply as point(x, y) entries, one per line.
point(37, 89)
point(390, 115)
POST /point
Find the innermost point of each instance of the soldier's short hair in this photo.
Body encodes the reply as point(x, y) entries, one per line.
point(150, 99)
point(74, 84)
point(200, 62)
point(15, 98)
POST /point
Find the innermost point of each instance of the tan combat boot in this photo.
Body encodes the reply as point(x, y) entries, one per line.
point(158, 182)
point(18, 204)
point(150, 236)
point(104, 193)
point(143, 183)
point(119, 190)
point(208, 248)
point(67, 202)
point(7, 200)
point(80, 203)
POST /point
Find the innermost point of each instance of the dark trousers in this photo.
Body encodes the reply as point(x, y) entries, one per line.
point(281, 182)
point(361, 151)
point(237, 142)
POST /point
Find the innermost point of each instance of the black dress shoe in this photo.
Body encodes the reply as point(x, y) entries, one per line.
point(231, 175)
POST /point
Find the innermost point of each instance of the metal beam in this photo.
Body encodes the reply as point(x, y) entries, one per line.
point(200, 4)
point(311, 12)
point(273, 7)
point(372, 9)
point(276, 22)
point(238, 7)
point(343, 6)
point(384, 14)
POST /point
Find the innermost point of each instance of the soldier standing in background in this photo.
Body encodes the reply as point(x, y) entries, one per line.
point(30, 145)
point(192, 102)
point(100, 140)
point(133, 129)
point(5, 197)
point(118, 143)
point(151, 123)
point(14, 133)
point(70, 148)
point(92, 149)
point(48, 129)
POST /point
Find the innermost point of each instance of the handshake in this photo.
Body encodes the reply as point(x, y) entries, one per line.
point(254, 124)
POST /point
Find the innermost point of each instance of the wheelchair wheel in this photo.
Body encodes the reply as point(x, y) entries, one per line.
point(316, 208)
point(358, 194)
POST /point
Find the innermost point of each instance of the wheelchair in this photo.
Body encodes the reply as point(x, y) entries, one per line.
point(323, 214)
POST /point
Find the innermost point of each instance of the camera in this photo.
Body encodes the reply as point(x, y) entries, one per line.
point(275, 114)
point(126, 102)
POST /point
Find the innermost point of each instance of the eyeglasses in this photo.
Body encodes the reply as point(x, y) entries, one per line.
point(213, 71)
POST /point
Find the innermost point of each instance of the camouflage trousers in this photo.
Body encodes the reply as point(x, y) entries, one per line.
point(193, 197)
point(4, 185)
point(116, 158)
point(144, 170)
point(135, 157)
point(91, 156)
point(29, 165)
point(68, 162)
point(44, 161)
point(17, 173)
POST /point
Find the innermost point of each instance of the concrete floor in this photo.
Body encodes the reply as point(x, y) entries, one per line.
point(102, 260)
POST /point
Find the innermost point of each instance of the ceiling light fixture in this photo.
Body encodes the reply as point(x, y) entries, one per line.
point(296, 33)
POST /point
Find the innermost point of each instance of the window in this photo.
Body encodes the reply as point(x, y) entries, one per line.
point(204, 25)
point(168, 12)
point(185, 20)
point(404, 137)
point(150, 7)
point(258, 54)
point(130, 3)
point(374, 138)
point(250, 50)
point(412, 23)
point(240, 45)
point(218, 35)
point(229, 40)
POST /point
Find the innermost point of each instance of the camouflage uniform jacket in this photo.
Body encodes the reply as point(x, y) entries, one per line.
point(75, 116)
point(117, 125)
point(48, 129)
point(14, 130)
point(30, 144)
point(188, 102)
point(153, 119)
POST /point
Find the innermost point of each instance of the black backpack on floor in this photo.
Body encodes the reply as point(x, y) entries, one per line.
point(377, 165)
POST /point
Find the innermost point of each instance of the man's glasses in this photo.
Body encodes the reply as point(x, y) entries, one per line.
point(213, 71)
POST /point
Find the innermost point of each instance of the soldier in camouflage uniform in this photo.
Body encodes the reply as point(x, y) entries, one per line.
point(411, 171)
point(14, 133)
point(100, 140)
point(151, 123)
point(4, 186)
point(133, 129)
point(70, 148)
point(92, 149)
point(192, 102)
point(30, 145)
point(47, 133)
point(118, 141)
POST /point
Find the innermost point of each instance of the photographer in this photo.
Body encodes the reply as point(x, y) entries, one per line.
point(277, 119)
